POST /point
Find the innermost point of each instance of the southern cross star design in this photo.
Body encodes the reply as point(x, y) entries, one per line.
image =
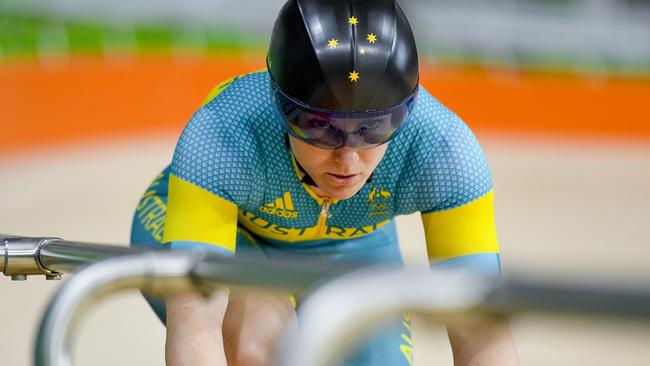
point(354, 76)
point(372, 38)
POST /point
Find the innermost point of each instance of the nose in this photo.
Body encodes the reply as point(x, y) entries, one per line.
point(346, 156)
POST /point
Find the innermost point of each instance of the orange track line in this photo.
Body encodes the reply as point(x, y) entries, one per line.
point(530, 103)
point(94, 98)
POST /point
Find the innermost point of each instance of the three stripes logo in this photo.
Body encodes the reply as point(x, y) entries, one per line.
point(281, 207)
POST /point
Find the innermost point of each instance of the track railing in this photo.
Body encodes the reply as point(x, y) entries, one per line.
point(344, 301)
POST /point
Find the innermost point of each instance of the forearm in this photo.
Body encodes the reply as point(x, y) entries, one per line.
point(194, 335)
point(254, 324)
point(482, 341)
point(190, 349)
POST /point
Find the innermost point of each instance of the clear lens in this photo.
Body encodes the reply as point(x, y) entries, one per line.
point(333, 130)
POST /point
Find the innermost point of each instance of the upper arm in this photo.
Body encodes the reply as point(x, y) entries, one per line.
point(463, 230)
point(211, 176)
point(464, 237)
point(457, 187)
point(195, 215)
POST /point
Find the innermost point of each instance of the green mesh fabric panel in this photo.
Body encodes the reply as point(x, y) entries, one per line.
point(234, 147)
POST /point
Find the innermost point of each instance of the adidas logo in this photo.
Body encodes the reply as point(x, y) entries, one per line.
point(281, 207)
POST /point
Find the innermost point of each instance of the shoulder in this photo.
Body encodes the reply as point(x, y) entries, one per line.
point(218, 148)
point(430, 118)
point(447, 165)
point(427, 126)
point(245, 86)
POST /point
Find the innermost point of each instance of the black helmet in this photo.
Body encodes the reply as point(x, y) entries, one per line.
point(344, 72)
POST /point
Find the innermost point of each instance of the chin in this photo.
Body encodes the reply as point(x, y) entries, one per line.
point(342, 193)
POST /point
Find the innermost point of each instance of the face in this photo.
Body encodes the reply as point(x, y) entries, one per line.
point(339, 173)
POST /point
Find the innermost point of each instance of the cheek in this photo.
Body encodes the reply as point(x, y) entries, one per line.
point(318, 157)
point(313, 158)
point(371, 158)
point(319, 167)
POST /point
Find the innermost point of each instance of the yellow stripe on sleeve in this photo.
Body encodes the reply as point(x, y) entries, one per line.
point(223, 85)
point(218, 89)
point(464, 230)
point(194, 214)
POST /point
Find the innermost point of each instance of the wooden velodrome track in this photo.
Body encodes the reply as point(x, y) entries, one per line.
point(81, 139)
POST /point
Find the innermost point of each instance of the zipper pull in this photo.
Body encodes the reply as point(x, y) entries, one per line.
point(325, 210)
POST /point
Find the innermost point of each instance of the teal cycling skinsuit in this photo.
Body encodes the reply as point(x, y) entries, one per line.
point(234, 187)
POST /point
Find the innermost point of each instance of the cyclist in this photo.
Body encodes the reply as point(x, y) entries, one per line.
point(315, 157)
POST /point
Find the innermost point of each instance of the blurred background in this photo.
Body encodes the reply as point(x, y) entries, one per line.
point(93, 96)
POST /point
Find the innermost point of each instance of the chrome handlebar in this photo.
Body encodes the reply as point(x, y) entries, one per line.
point(348, 300)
